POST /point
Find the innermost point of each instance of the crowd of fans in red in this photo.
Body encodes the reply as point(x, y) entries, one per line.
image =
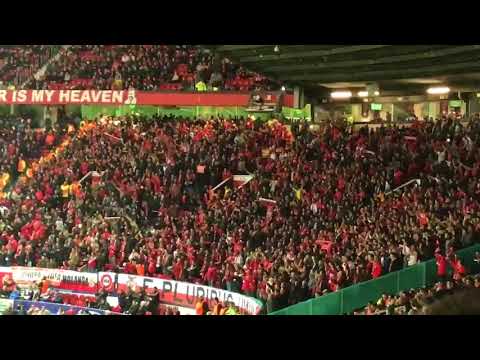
point(146, 204)
point(21, 144)
point(416, 301)
point(145, 67)
point(19, 63)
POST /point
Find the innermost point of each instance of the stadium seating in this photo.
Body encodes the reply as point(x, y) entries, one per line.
point(143, 67)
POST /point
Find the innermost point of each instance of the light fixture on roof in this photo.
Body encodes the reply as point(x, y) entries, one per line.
point(365, 93)
point(341, 94)
point(439, 90)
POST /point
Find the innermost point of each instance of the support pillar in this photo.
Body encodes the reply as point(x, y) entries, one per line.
point(473, 105)
point(298, 98)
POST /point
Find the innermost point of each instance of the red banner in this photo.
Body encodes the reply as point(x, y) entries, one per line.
point(62, 97)
point(114, 97)
point(192, 99)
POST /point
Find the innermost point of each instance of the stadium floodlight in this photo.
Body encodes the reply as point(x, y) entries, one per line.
point(440, 90)
point(341, 94)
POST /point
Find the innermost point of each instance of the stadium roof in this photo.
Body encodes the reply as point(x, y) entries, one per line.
point(406, 68)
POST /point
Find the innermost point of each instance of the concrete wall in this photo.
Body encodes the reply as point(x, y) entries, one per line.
point(473, 105)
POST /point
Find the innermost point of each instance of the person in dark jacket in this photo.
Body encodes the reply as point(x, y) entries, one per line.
point(396, 263)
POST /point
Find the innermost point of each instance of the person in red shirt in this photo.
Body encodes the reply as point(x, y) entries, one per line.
point(92, 263)
point(178, 269)
point(341, 184)
point(441, 266)
point(376, 268)
point(84, 168)
point(398, 177)
point(211, 274)
point(423, 219)
point(117, 309)
point(249, 285)
point(39, 230)
point(151, 266)
point(459, 270)
point(39, 196)
point(147, 146)
point(338, 196)
point(50, 139)
point(155, 181)
point(11, 149)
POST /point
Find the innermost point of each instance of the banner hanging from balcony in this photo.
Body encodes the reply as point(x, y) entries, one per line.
point(120, 97)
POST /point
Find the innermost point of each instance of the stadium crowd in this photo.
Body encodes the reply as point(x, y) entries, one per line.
point(20, 144)
point(146, 67)
point(19, 63)
point(415, 301)
point(317, 212)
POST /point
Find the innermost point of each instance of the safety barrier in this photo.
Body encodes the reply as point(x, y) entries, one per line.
point(358, 296)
